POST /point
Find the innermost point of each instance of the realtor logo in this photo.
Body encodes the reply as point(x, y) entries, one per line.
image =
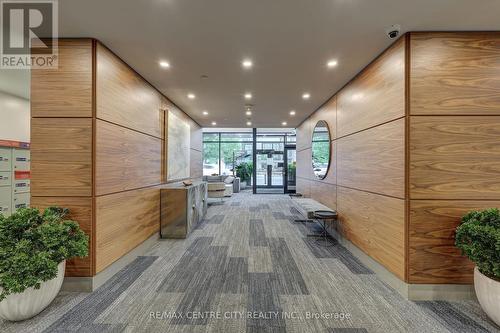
point(28, 34)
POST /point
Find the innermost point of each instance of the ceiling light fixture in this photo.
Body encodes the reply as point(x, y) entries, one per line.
point(332, 63)
point(247, 63)
point(284, 123)
point(191, 96)
point(292, 113)
point(249, 123)
point(248, 96)
point(248, 113)
point(214, 123)
point(164, 64)
point(205, 113)
point(306, 95)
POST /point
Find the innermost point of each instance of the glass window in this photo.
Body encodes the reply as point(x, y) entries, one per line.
point(210, 158)
point(210, 137)
point(233, 154)
point(236, 137)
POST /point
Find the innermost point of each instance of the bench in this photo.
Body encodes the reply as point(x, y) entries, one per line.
point(316, 212)
point(307, 207)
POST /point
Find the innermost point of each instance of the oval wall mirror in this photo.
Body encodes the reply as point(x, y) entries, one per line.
point(321, 149)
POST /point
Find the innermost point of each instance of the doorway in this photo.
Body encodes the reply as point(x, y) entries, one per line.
point(275, 163)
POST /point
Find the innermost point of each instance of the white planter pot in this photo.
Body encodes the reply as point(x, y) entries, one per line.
point(488, 294)
point(32, 301)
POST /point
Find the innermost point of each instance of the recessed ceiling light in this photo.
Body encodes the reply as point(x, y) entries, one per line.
point(332, 63)
point(205, 113)
point(248, 113)
point(247, 63)
point(306, 95)
point(191, 96)
point(164, 64)
point(292, 113)
point(248, 96)
point(249, 123)
point(214, 123)
point(284, 123)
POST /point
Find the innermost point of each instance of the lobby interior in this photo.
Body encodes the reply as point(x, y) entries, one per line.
point(237, 166)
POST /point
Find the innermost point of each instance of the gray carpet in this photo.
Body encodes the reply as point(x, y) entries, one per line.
point(249, 268)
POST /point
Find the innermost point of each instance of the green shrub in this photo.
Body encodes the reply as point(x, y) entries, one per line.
point(478, 236)
point(32, 244)
point(244, 171)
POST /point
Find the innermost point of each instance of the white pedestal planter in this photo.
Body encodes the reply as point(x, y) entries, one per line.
point(488, 294)
point(32, 301)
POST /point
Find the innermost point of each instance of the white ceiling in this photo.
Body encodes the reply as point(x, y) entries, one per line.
point(289, 41)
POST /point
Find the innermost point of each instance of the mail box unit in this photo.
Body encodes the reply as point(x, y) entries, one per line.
point(20, 200)
point(5, 159)
point(5, 200)
point(21, 186)
point(15, 183)
point(21, 159)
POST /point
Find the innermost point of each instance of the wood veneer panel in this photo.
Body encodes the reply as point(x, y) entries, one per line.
point(61, 156)
point(376, 95)
point(454, 157)
point(374, 160)
point(455, 73)
point(433, 257)
point(374, 223)
point(125, 98)
point(328, 113)
point(304, 135)
point(123, 221)
point(324, 193)
point(125, 159)
point(304, 187)
point(304, 164)
point(66, 91)
point(81, 212)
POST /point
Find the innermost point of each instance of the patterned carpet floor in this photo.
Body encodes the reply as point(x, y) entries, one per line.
point(249, 268)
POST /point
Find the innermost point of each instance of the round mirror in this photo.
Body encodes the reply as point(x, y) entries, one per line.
point(321, 149)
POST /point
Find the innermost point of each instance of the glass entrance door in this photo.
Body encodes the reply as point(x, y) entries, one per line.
point(291, 169)
point(270, 170)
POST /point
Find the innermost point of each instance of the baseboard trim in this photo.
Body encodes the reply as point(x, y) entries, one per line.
point(413, 292)
point(91, 283)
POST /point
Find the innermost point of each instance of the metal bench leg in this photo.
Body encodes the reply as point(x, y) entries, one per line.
point(302, 221)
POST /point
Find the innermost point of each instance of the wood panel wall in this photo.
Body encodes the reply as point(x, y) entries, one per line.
point(366, 179)
point(98, 145)
point(454, 164)
point(61, 140)
point(416, 147)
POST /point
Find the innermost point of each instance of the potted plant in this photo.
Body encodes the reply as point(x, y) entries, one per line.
point(478, 236)
point(34, 247)
point(244, 172)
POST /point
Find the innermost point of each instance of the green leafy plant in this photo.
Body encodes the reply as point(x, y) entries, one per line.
point(478, 236)
point(244, 171)
point(32, 244)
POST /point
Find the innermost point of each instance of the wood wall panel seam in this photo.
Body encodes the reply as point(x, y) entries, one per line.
point(407, 152)
point(129, 128)
point(370, 192)
point(369, 128)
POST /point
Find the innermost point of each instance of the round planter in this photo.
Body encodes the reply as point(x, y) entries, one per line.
point(32, 301)
point(488, 294)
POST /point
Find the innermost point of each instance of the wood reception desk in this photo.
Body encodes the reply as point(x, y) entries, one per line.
point(182, 209)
